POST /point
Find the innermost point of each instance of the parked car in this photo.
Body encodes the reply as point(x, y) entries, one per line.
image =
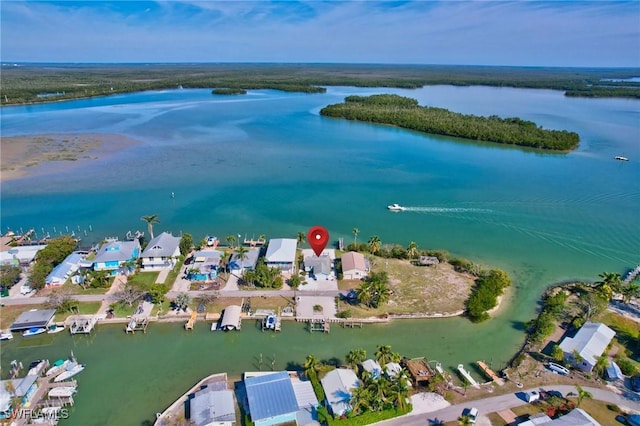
point(532, 396)
point(635, 383)
point(557, 368)
point(471, 414)
point(25, 289)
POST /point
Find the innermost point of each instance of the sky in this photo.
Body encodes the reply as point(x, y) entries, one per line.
point(523, 33)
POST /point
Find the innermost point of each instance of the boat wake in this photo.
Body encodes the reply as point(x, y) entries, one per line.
point(447, 210)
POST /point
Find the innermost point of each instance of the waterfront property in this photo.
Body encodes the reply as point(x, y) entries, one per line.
point(281, 254)
point(161, 252)
point(589, 343)
point(231, 318)
point(64, 270)
point(354, 266)
point(238, 264)
point(113, 255)
point(213, 404)
point(38, 318)
point(372, 367)
point(20, 255)
point(338, 386)
point(577, 416)
point(206, 264)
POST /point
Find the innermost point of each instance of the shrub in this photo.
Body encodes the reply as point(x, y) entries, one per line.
point(627, 366)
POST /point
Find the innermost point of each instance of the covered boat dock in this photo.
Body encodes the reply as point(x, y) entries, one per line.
point(231, 318)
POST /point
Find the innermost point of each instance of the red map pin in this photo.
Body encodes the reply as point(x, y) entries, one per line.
point(318, 238)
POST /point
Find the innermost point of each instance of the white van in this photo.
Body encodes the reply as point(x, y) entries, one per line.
point(25, 289)
point(471, 414)
point(557, 368)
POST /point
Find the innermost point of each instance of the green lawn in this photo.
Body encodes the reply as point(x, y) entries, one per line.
point(122, 310)
point(145, 279)
point(84, 308)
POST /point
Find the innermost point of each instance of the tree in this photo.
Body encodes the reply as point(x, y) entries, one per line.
point(151, 219)
point(385, 355)
point(129, 293)
point(582, 394)
point(301, 237)
point(99, 278)
point(186, 243)
point(295, 281)
point(602, 362)
point(412, 250)
point(592, 304)
point(157, 293)
point(311, 363)
point(182, 301)
point(464, 421)
point(241, 253)
point(557, 353)
point(61, 301)
point(9, 275)
point(355, 357)
point(355, 231)
point(374, 291)
point(231, 240)
point(374, 244)
point(630, 291)
point(611, 279)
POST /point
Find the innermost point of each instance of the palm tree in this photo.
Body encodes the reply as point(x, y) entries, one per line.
point(384, 354)
point(150, 221)
point(311, 363)
point(398, 393)
point(582, 394)
point(380, 293)
point(464, 421)
point(355, 357)
point(301, 237)
point(241, 253)
point(412, 250)
point(602, 362)
point(630, 291)
point(231, 240)
point(374, 244)
point(364, 293)
point(557, 353)
point(355, 231)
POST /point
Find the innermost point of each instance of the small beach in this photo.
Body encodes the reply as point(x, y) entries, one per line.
point(34, 155)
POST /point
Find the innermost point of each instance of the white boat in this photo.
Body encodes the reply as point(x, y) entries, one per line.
point(69, 373)
point(621, 158)
point(269, 323)
point(55, 328)
point(211, 241)
point(62, 392)
point(58, 367)
point(34, 331)
point(6, 335)
point(467, 376)
point(396, 207)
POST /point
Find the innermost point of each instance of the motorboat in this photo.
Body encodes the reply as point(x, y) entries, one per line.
point(55, 328)
point(77, 368)
point(396, 207)
point(269, 323)
point(34, 331)
point(62, 392)
point(211, 241)
point(6, 335)
point(621, 158)
point(58, 367)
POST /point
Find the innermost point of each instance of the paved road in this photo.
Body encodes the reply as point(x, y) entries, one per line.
point(503, 402)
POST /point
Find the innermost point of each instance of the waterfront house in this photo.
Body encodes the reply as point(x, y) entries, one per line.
point(576, 417)
point(161, 252)
point(64, 270)
point(271, 398)
point(248, 263)
point(114, 254)
point(281, 254)
point(319, 268)
point(338, 386)
point(212, 405)
point(206, 265)
point(372, 367)
point(589, 343)
point(392, 369)
point(39, 318)
point(23, 389)
point(354, 266)
point(20, 255)
point(231, 318)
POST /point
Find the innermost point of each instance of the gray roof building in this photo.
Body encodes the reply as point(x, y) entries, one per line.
point(577, 417)
point(320, 265)
point(281, 253)
point(33, 318)
point(60, 273)
point(113, 254)
point(211, 406)
point(164, 245)
point(271, 397)
point(338, 385)
point(249, 262)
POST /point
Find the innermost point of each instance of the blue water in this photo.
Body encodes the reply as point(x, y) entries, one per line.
point(267, 163)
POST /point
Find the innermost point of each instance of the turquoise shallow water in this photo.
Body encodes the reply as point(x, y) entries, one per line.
point(268, 163)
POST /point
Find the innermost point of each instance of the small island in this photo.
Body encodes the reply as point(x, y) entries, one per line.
point(228, 91)
point(406, 113)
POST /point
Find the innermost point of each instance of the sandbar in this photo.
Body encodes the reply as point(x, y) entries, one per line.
point(32, 155)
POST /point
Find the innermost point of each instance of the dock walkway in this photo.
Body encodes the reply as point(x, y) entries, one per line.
point(192, 321)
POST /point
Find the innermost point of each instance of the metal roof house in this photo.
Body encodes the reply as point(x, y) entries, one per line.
point(576, 417)
point(372, 367)
point(320, 267)
point(161, 252)
point(205, 265)
point(281, 253)
point(212, 405)
point(113, 255)
point(272, 399)
point(590, 342)
point(231, 318)
point(61, 273)
point(238, 265)
point(337, 385)
point(20, 255)
point(33, 318)
point(354, 266)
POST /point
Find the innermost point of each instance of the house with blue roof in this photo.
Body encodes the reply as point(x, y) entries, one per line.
point(272, 399)
point(112, 255)
point(161, 252)
point(64, 270)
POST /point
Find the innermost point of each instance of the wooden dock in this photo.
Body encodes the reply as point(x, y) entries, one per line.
point(632, 275)
point(192, 321)
point(82, 325)
point(319, 325)
point(490, 373)
point(137, 324)
point(352, 324)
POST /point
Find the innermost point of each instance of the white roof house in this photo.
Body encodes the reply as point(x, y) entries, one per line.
point(161, 251)
point(576, 417)
point(372, 367)
point(23, 255)
point(354, 266)
point(61, 273)
point(590, 342)
point(212, 406)
point(338, 385)
point(248, 263)
point(281, 253)
point(231, 318)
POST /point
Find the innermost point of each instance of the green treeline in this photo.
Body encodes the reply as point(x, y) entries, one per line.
point(25, 82)
point(485, 294)
point(228, 91)
point(406, 113)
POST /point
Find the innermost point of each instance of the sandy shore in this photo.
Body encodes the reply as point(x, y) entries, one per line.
point(24, 156)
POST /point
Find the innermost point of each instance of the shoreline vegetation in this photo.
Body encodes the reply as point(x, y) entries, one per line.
point(36, 83)
point(406, 113)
